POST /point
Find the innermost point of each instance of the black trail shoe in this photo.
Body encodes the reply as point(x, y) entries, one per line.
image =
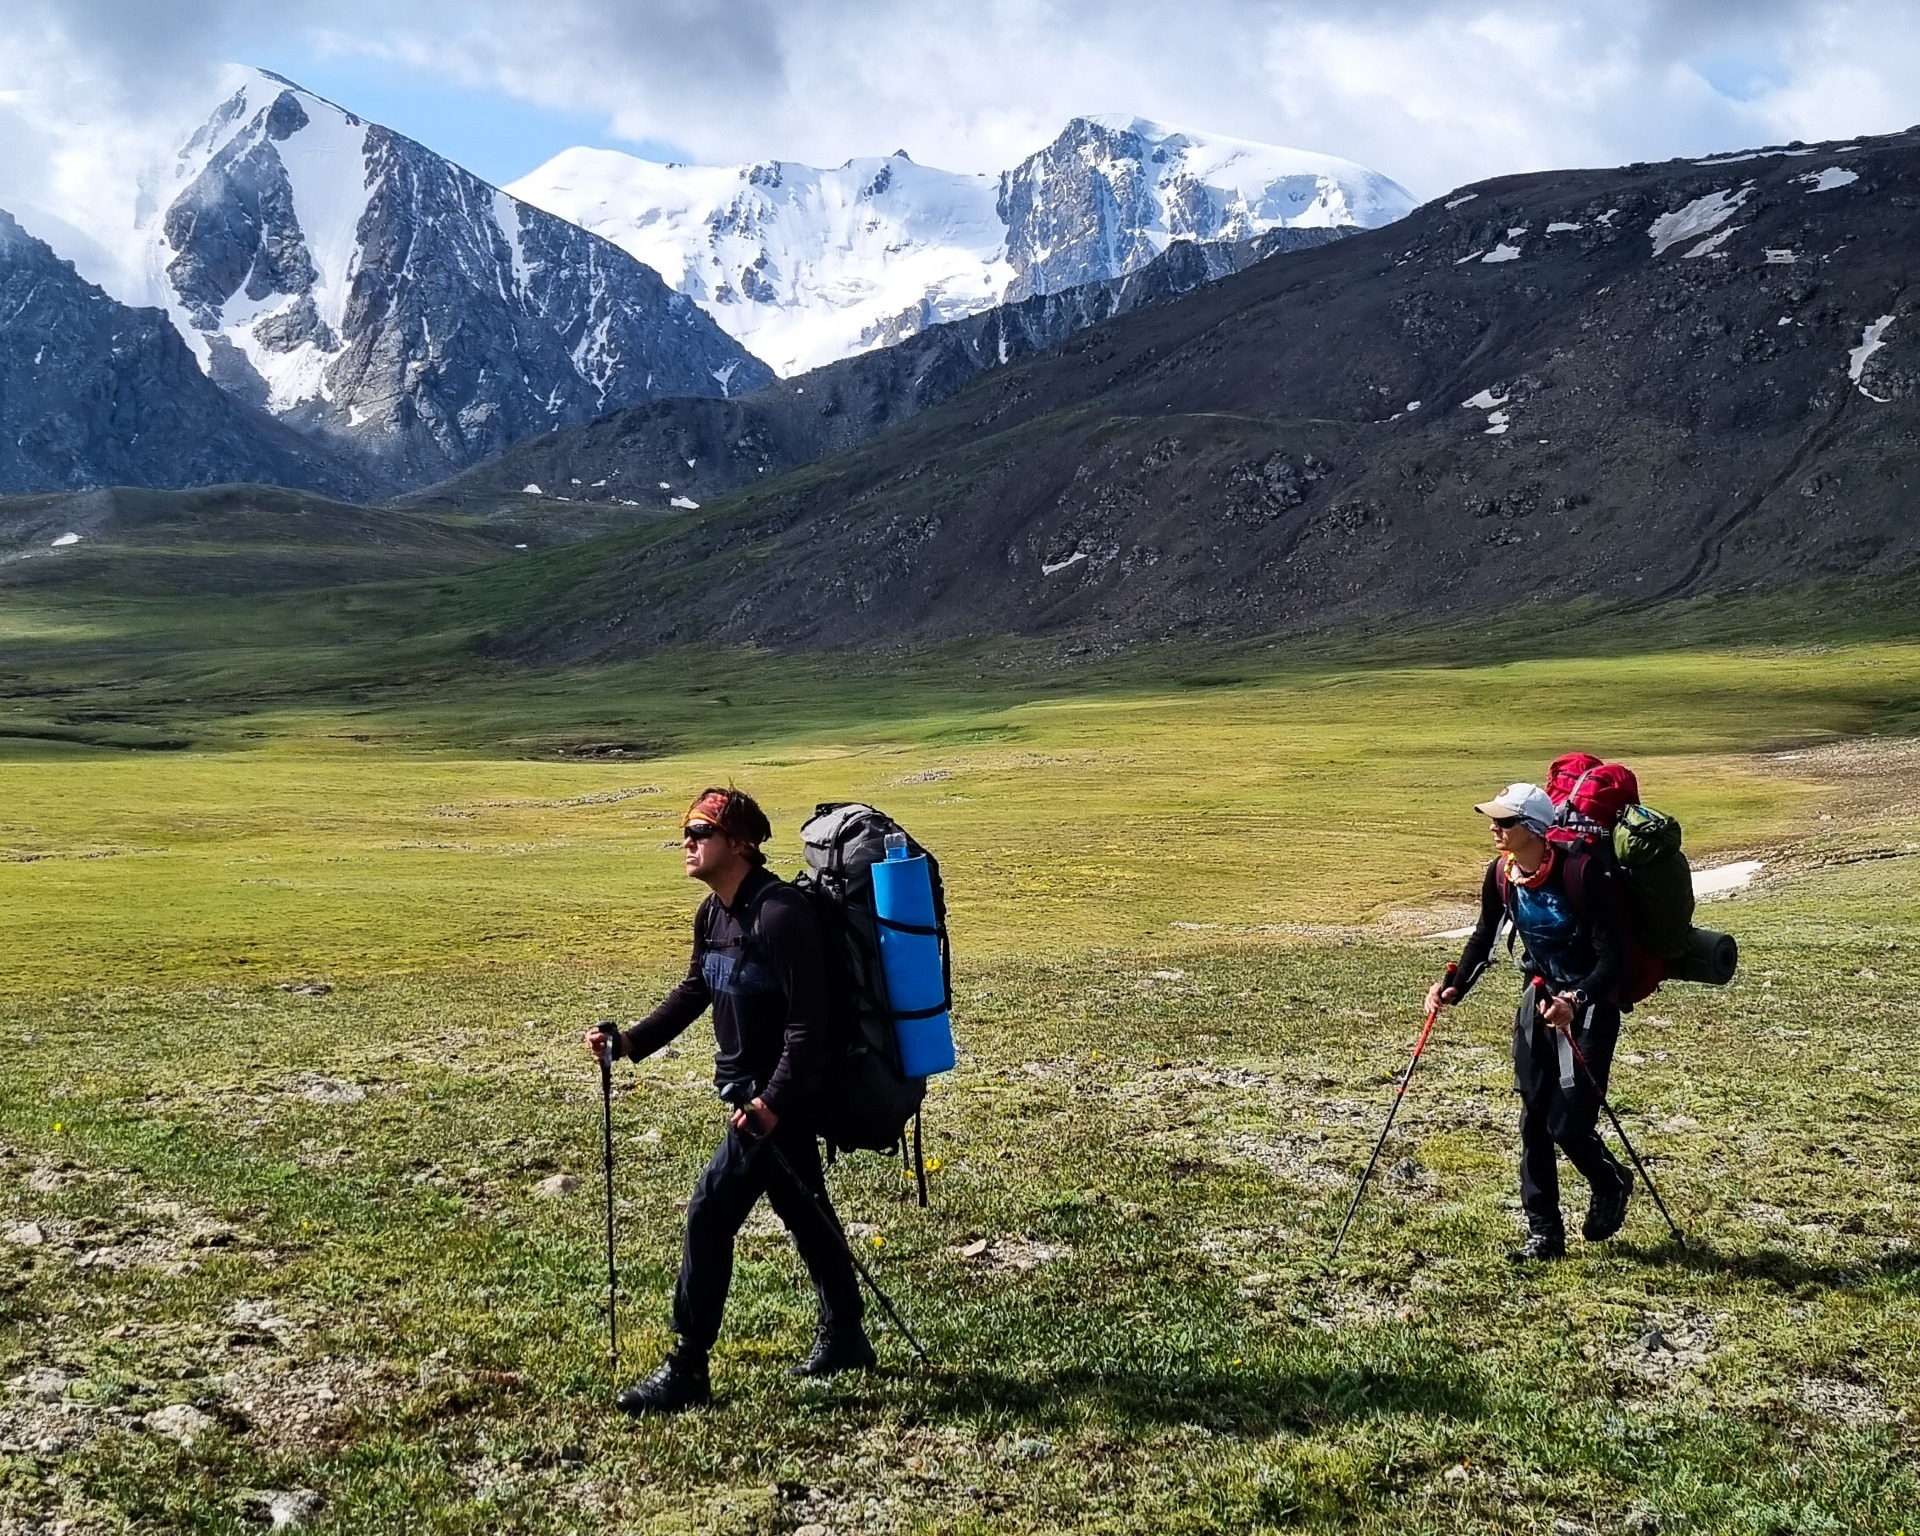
point(1539, 1248)
point(1607, 1211)
point(836, 1350)
point(679, 1384)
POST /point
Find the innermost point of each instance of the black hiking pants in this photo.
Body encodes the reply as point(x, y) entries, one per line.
point(1560, 1107)
point(741, 1171)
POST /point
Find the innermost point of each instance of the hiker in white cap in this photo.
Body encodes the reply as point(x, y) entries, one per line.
point(1562, 910)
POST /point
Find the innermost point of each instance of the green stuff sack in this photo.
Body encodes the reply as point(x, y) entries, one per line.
point(1659, 881)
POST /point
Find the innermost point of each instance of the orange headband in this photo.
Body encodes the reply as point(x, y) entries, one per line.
point(709, 810)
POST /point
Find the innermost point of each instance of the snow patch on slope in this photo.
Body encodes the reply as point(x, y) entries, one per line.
point(1700, 217)
point(1826, 181)
point(1872, 339)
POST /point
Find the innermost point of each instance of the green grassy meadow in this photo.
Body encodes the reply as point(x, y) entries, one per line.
point(1194, 893)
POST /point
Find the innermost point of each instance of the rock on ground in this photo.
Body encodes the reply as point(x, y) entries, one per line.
point(178, 1422)
point(293, 1508)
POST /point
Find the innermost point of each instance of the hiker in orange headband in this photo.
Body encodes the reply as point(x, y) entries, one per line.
point(758, 962)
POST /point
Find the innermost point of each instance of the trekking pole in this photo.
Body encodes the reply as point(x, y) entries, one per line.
point(1621, 1131)
point(606, 1143)
point(1392, 1110)
point(741, 1097)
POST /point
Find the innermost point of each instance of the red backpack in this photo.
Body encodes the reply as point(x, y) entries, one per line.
point(1590, 795)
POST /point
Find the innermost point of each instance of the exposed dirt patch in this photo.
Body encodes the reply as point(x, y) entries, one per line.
point(161, 1235)
point(1669, 1346)
point(1015, 1255)
point(1851, 1403)
point(1306, 1160)
point(39, 1416)
point(1343, 1307)
point(300, 1405)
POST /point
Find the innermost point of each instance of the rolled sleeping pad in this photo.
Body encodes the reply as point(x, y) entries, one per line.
point(1710, 958)
point(911, 962)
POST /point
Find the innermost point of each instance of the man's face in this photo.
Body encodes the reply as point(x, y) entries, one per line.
point(708, 855)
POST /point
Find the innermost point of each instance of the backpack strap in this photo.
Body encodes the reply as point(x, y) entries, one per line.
point(1506, 902)
point(750, 919)
point(1573, 878)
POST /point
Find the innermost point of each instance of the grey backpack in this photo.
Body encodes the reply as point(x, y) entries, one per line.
point(870, 1102)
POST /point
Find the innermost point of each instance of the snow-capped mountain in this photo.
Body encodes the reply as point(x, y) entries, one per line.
point(1111, 193)
point(802, 266)
point(351, 280)
point(383, 300)
point(805, 266)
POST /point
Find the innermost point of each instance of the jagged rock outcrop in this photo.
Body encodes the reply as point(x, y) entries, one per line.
point(1111, 193)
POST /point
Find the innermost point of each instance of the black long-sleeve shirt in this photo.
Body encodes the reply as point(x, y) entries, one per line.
point(1572, 941)
point(767, 988)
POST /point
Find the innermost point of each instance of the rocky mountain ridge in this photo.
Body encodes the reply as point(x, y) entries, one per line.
point(94, 392)
point(668, 454)
point(376, 295)
point(394, 309)
point(1627, 385)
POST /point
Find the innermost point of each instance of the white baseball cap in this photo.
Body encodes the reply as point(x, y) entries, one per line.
point(1527, 801)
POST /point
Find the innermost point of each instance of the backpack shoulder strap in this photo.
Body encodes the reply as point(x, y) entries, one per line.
point(1505, 887)
point(750, 919)
point(1573, 878)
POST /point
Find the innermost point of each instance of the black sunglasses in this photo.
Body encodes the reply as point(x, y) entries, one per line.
point(1506, 823)
point(699, 832)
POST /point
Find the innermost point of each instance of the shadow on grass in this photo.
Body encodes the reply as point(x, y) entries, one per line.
point(1777, 1266)
point(1241, 1401)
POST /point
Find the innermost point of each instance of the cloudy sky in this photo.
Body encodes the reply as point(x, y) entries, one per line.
point(1433, 92)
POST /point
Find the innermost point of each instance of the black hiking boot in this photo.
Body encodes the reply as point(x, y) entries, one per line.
point(1607, 1210)
point(679, 1384)
point(1539, 1248)
point(836, 1350)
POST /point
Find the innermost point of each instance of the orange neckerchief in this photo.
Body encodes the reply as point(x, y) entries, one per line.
point(1534, 881)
